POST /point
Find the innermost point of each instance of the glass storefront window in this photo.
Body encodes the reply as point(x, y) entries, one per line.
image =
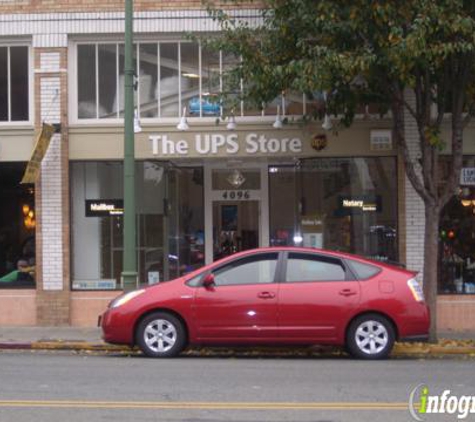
point(14, 83)
point(107, 80)
point(170, 77)
point(17, 229)
point(169, 205)
point(169, 88)
point(148, 77)
point(346, 204)
point(211, 84)
point(456, 266)
point(185, 225)
point(87, 107)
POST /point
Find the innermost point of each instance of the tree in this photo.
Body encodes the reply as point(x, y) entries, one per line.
point(414, 57)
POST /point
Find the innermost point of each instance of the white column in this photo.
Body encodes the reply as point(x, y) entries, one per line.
point(415, 215)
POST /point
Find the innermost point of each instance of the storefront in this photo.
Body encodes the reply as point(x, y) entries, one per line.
point(203, 195)
point(242, 175)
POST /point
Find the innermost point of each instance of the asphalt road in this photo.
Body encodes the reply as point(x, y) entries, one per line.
point(65, 386)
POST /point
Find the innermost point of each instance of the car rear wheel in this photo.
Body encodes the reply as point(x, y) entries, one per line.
point(161, 335)
point(370, 337)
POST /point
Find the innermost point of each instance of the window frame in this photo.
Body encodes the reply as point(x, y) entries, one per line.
point(30, 57)
point(201, 118)
point(349, 274)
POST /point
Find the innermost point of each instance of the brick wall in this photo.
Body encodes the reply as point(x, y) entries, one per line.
point(414, 209)
point(52, 191)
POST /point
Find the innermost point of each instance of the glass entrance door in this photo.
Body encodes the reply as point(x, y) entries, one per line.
point(236, 209)
point(235, 227)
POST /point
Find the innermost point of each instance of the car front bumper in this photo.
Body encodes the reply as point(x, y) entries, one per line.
point(116, 328)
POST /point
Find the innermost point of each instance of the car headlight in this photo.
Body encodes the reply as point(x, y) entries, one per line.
point(121, 300)
point(416, 289)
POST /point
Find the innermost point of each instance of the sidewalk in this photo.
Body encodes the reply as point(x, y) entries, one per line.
point(89, 339)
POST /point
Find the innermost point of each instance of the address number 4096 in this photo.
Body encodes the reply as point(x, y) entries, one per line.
point(236, 194)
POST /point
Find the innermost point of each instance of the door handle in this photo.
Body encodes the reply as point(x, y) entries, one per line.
point(266, 295)
point(347, 292)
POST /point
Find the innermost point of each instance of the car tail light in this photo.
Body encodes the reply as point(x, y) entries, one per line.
point(416, 289)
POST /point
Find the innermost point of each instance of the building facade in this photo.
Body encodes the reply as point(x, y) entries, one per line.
point(236, 178)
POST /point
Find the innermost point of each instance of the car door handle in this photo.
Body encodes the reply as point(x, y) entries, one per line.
point(266, 295)
point(348, 292)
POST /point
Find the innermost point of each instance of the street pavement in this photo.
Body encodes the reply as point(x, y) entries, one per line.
point(83, 339)
point(25, 334)
point(103, 386)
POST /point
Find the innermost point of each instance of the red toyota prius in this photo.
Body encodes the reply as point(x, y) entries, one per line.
point(274, 296)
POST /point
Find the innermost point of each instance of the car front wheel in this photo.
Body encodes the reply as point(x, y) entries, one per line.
point(161, 335)
point(370, 337)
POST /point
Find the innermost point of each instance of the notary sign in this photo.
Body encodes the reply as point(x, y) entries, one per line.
point(104, 207)
point(359, 204)
point(41, 146)
point(467, 176)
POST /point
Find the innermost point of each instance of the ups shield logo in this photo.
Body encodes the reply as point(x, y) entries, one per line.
point(319, 142)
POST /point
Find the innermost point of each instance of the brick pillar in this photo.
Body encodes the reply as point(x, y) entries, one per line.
point(415, 214)
point(52, 190)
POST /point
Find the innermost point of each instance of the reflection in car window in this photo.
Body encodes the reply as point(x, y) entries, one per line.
point(256, 269)
point(306, 267)
point(363, 271)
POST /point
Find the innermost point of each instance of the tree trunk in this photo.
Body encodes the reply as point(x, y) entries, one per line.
point(431, 244)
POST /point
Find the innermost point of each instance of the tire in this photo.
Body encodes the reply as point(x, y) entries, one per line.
point(161, 335)
point(370, 337)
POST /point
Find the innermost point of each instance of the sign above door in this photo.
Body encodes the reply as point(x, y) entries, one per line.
point(219, 144)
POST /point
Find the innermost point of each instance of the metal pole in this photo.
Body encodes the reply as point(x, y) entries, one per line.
point(129, 272)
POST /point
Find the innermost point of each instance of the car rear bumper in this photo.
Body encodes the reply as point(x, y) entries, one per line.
point(416, 324)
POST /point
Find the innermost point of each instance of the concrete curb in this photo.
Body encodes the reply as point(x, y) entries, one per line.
point(400, 349)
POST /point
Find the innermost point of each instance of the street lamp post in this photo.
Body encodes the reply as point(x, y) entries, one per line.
point(129, 269)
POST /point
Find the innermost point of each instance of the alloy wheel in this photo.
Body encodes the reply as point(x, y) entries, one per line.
point(371, 337)
point(160, 335)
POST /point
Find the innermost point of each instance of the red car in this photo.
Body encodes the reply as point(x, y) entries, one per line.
point(274, 296)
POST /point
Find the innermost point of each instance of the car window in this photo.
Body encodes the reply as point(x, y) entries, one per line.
point(195, 281)
point(308, 267)
point(256, 269)
point(363, 271)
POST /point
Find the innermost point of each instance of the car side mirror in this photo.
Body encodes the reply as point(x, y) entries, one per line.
point(208, 281)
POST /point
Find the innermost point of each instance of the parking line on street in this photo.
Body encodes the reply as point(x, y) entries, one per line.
point(202, 405)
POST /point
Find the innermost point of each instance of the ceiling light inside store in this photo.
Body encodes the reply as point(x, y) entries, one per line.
point(236, 178)
point(191, 75)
